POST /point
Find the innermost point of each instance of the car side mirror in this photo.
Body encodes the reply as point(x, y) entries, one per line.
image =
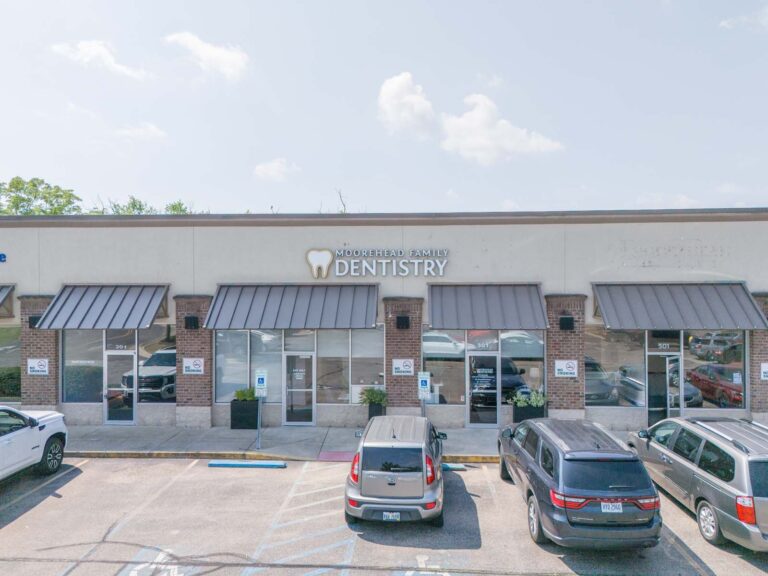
point(522, 371)
point(644, 434)
point(506, 433)
point(358, 433)
point(33, 423)
point(442, 436)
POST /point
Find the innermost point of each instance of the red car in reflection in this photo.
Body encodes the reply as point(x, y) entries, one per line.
point(721, 384)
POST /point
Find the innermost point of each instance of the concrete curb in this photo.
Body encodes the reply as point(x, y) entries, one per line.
point(214, 455)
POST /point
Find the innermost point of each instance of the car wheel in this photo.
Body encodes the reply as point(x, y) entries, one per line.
point(53, 454)
point(438, 521)
point(350, 519)
point(706, 518)
point(534, 522)
point(722, 401)
point(503, 470)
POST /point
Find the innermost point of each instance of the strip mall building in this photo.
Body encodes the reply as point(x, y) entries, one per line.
point(621, 317)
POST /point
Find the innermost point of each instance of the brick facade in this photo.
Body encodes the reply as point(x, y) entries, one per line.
point(193, 390)
point(758, 354)
point(402, 391)
point(565, 393)
point(38, 391)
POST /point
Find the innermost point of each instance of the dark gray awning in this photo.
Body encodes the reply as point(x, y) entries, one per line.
point(104, 307)
point(487, 306)
point(681, 306)
point(285, 306)
point(6, 302)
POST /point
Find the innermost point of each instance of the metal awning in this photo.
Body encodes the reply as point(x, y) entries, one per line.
point(679, 306)
point(105, 307)
point(286, 306)
point(6, 302)
point(487, 307)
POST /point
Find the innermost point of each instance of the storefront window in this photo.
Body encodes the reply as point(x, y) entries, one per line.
point(267, 356)
point(663, 341)
point(443, 353)
point(83, 361)
point(714, 366)
point(368, 357)
point(157, 364)
point(522, 363)
point(10, 364)
point(482, 340)
point(614, 366)
point(121, 339)
point(333, 366)
point(231, 363)
point(299, 340)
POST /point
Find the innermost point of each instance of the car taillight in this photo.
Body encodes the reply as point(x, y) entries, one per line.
point(648, 503)
point(430, 505)
point(354, 503)
point(745, 509)
point(563, 501)
point(430, 470)
point(354, 471)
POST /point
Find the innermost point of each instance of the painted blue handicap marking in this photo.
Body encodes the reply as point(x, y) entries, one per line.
point(454, 467)
point(247, 464)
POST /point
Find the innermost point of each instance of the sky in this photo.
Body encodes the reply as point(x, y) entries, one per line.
point(397, 106)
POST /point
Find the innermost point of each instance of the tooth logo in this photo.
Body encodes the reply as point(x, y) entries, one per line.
point(320, 263)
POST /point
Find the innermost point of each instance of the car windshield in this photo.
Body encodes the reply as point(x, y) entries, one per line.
point(392, 459)
point(758, 474)
point(605, 475)
point(594, 369)
point(161, 359)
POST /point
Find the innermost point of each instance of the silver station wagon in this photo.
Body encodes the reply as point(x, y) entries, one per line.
point(396, 473)
point(717, 468)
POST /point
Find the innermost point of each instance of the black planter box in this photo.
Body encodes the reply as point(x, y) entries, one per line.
point(244, 414)
point(520, 413)
point(376, 410)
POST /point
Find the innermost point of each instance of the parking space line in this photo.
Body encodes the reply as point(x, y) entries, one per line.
point(315, 503)
point(491, 486)
point(320, 490)
point(308, 519)
point(304, 537)
point(58, 476)
point(313, 551)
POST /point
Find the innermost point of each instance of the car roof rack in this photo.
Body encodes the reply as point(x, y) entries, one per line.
point(722, 435)
point(756, 424)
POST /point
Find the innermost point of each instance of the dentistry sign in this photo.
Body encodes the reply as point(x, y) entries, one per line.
point(354, 262)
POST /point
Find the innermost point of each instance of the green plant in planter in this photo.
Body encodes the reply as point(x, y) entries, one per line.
point(373, 396)
point(535, 399)
point(245, 394)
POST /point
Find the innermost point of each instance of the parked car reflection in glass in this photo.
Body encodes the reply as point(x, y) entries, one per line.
point(600, 386)
point(521, 344)
point(441, 345)
point(719, 384)
point(157, 378)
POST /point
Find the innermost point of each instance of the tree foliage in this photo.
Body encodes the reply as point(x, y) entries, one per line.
point(134, 207)
point(35, 197)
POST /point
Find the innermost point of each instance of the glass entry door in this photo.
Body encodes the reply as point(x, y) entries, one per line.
point(120, 387)
point(299, 398)
point(664, 382)
point(483, 385)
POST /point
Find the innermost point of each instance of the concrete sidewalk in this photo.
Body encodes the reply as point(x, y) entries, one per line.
point(286, 442)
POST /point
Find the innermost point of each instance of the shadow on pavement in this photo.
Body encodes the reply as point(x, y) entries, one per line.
point(25, 490)
point(461, 530)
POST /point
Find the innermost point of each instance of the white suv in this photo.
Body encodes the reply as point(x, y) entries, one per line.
point(31, 439)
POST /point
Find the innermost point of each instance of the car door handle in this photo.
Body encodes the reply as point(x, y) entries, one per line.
point(666, 459)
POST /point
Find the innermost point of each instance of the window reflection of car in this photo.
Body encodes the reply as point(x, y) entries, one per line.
point(720, 384)
point(600, 386)
point(721, 347)
point(512, 382)
point(439, 345)
point(157, 377)
point(521, 344)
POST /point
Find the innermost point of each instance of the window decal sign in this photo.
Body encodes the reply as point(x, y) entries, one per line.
point(193, 366)
point(566, 369)
point(37, 366)
point(402, 367)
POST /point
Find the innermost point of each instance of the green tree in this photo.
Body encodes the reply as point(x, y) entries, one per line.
point(134, 207)
point(36, 197)
point(178, 208)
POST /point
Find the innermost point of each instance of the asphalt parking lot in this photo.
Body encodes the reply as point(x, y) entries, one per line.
point(179, 517)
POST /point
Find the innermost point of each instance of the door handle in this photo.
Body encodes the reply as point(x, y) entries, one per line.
point(666, 459)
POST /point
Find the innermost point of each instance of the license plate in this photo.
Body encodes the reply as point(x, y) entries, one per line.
point(611, 507)
point(391, 516)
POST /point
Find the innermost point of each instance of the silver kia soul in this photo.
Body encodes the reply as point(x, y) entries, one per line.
point(396, 473)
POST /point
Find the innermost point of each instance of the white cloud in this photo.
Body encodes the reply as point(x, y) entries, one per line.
point(142, 132)
point(78, 110)
point(229, 61)
point(480, 135)
point(99, 54)
point(510, 206)
point(276, 170)
point(757, 19)
point(404, 107)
